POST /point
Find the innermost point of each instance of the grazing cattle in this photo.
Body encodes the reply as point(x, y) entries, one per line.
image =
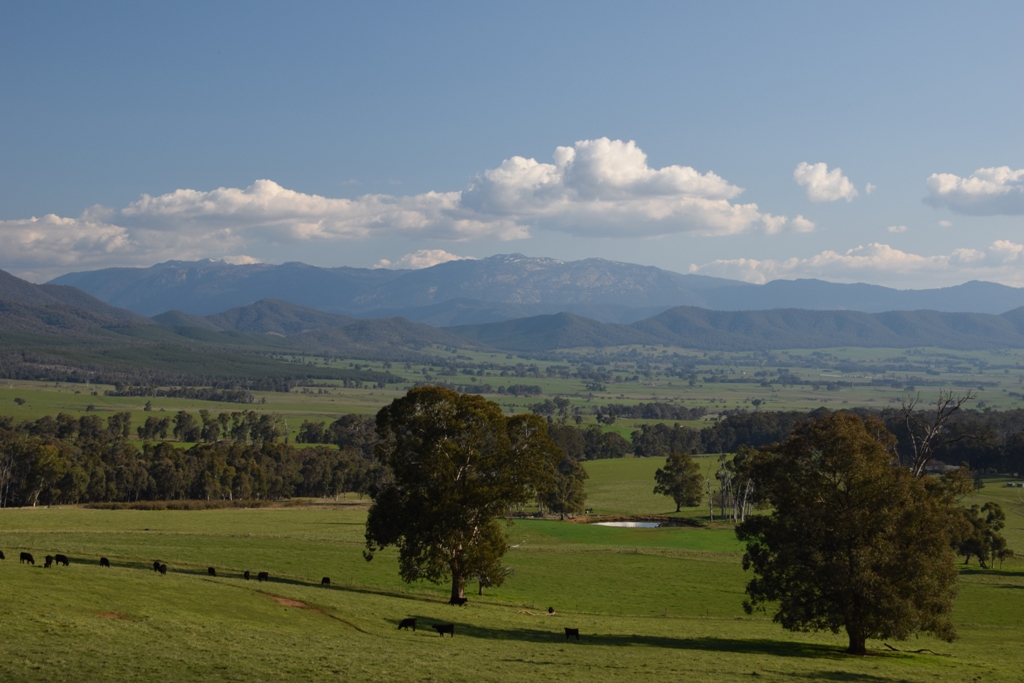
point(156, 565)
point(163, 569)
point(211, 571)
point(326, 581)
point(263, 576)
point(570, 632)
point(458, 601)
point(407, 624)
point(445, 628)
point(246, 575)
point(48, 562)
point(2, 557)
point(61, 559)
point(27, 557)
point(104, 562)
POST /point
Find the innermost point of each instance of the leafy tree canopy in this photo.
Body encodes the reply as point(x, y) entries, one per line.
point(458, 466)
point(852, 541)
point(680, 479)
point(983, 539)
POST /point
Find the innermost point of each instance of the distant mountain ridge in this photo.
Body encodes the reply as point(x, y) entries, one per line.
point(697, 328)
point(65, 315)
point(503, 287)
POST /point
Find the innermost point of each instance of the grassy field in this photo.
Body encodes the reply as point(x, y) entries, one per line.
point(664, 604)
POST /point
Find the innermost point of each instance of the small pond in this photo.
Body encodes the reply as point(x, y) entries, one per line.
point(630, 525)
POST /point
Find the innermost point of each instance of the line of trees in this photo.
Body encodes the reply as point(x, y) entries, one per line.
point(64, 460)
point(986, 440)
point(195, 393)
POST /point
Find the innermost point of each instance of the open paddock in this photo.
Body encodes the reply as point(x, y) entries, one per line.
point(664, 604)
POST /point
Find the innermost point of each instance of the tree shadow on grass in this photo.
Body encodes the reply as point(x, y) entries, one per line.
point(842, 676)
point(759, 646)
point(978, 571)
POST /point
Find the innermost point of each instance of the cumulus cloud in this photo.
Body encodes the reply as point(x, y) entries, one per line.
point(874, 259)
point(424, 258)
point(823, 185)
point(241, 260)
point(597, 187)
point(995, 191)
point(606, 188)
point(801, 224)
point(897, 228)
point(869, 188)
point(946, 224)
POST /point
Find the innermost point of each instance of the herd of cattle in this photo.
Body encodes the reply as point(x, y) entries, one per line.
point(158, 566)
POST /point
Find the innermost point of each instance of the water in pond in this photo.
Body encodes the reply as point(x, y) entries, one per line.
point(630, 525)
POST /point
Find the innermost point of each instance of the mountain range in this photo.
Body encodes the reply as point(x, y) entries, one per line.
point(60, 316)
point(53, 314)
point(504, 287)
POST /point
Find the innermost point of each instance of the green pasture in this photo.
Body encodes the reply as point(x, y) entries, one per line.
point(662, 604)
point(626, 487)
point(992, 375)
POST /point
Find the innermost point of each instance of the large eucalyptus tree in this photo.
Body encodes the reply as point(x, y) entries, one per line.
point(458, 467)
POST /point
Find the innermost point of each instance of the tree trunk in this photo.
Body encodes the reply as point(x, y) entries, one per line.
point(857, 643)
point(458, 587)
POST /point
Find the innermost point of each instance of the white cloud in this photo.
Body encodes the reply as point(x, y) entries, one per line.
point(822, 184)
point(897, 228)
point(946, 224)
point(594, 188)
point(424, 258)
point(241, 260)
point(801, 224)
point(606, 188)
point(869, 188)
point(876, 259)
point(986, 192)
point(1006, 250)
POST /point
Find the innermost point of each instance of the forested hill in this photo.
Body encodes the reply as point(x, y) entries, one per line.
point(699, 328)
point(55, 309)
point(310, 330)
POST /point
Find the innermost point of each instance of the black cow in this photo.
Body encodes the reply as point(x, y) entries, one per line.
point(263, 576)
point(444, 628)
point(246, 575)
point(61, 559)
point(407, 624)
point(570, 632)
point(326, 581)
point(156, 565)
point(163, 569)
point(458, 601)
point(27, 557)
point(2, 555)
point(211, 571)
point(48, 562)
point(104, 562)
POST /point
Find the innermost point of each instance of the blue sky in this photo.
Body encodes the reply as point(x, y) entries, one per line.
point(699, 138)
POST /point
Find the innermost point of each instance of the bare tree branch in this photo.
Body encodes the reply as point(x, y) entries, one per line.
point(928, 434)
